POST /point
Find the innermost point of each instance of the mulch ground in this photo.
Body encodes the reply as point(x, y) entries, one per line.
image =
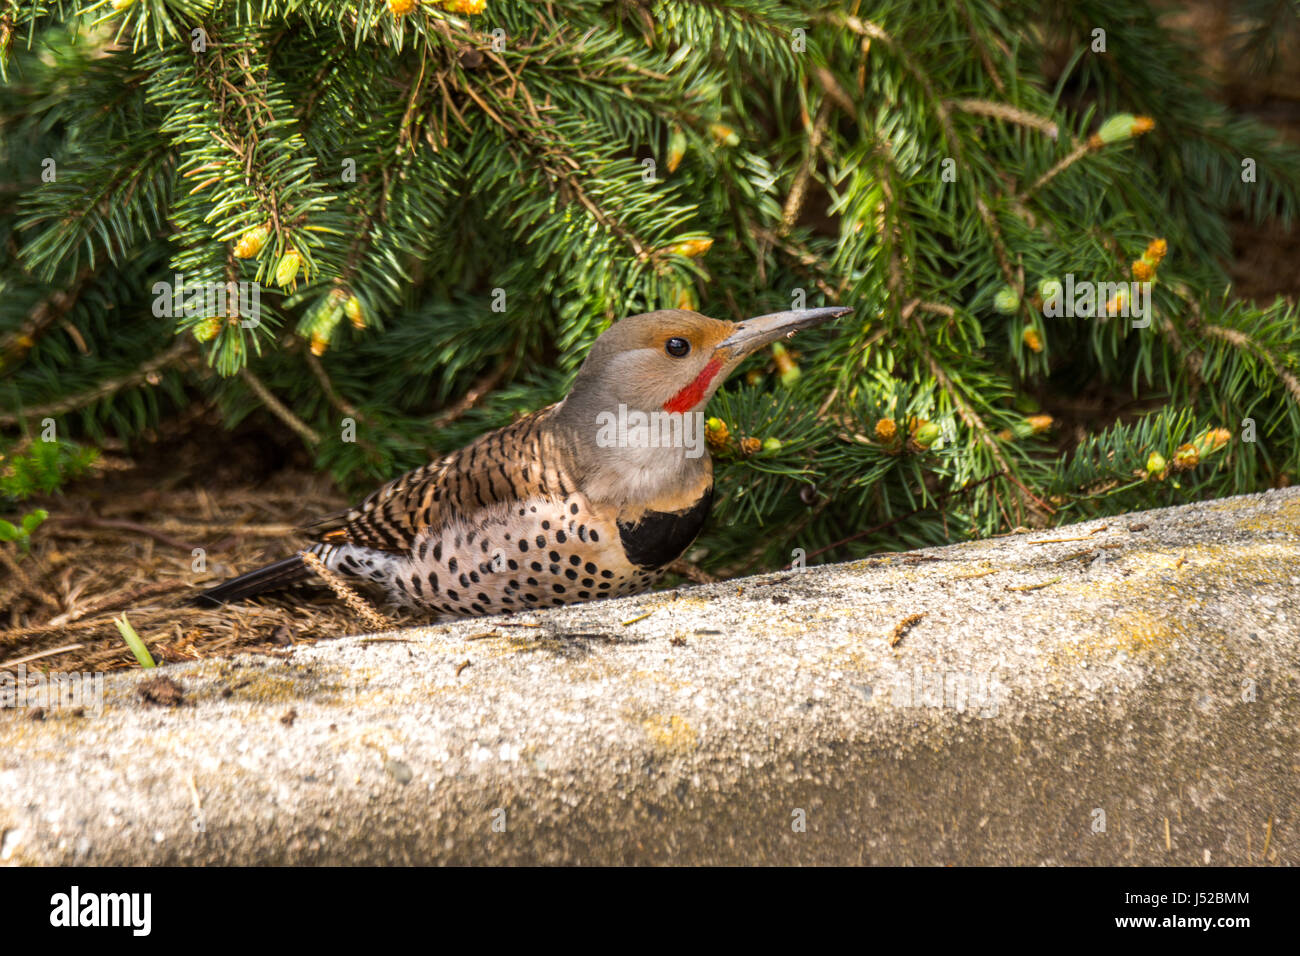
point(123, 541)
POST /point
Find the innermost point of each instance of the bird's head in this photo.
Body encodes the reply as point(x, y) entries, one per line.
point(674, 360)
point(635, 412)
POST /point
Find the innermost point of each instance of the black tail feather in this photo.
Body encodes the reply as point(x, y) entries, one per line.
point(273, 577)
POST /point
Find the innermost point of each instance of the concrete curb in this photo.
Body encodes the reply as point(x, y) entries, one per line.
point(1125, 693)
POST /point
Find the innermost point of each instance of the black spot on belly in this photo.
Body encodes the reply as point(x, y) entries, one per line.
point(660, 537)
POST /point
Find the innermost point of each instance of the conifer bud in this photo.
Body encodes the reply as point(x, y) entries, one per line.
point(1155, 463)
point(1187, 456)
point(251, 242)
point(886, 431)
point(323, 330)
point(927, 434)
point(785, 365)
point(287, 271)
point(716, 433)
point(751, 446)
point(1033, 341)
point(676, 148)
point(771, 444)
point(1116, 303)
point(1144, 269)
point(355, 313)
point(400, 8)
point(467, 7)
point(320, 323)
point(691, 248)
point(1120, 127)
point(1039, 423)
point(723, 135)
point(1207, 443)
point(1006, 301)
point(207, 329)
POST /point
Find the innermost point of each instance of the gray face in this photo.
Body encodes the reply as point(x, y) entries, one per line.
point(636, 411)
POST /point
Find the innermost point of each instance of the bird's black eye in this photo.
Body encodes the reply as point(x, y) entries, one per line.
point(677, 347)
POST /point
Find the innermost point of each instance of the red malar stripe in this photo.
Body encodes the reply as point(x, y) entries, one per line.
point(690, 396)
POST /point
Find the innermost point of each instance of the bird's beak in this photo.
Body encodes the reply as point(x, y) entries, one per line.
point(754, 333)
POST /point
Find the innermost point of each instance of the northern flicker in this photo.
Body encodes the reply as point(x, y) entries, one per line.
point(591, 497)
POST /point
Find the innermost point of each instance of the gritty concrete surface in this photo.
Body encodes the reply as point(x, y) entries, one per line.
point(1122, 691)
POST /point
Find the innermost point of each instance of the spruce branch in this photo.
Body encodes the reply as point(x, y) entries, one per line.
point(278, 408)
point(179, 354)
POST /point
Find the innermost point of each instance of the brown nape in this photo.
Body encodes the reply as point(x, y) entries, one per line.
point(653, 329)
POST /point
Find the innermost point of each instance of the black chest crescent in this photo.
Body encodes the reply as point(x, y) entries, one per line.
point(660, 537)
